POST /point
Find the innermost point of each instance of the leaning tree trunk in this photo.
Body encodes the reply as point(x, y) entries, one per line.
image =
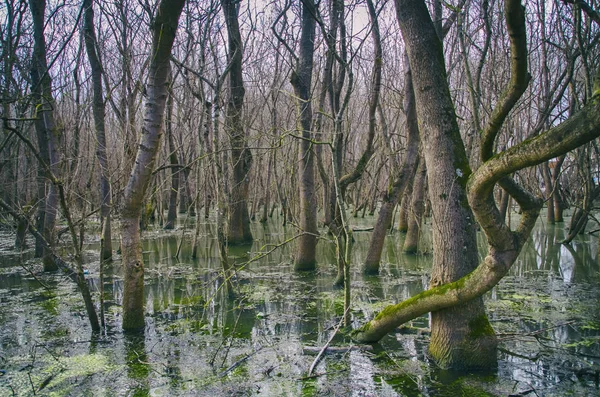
point(238, 231)
point(401, 179)
point(163, 35)
point(306, 248)
point(98, 110)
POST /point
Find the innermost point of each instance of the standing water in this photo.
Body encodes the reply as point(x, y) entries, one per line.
point(198, 342)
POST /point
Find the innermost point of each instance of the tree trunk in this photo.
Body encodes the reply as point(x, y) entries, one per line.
point(45, 126)
point(404, 212)
point(163, 34)
point(98, 110)
point(559, 204)
point(384, 219)
point(504, 200)
point(460, 335)
point(301, 79)
point(474, 340)
point(413, 234)
point(238, 231)
point(175, 169)
point(267, 198)
point(549, 187)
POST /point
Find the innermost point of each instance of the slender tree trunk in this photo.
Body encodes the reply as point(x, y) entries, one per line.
point(238, 231)
point(175, 169)
point(46, 129)
point(401, 178)
point(559, 204)
point(404, 211)
point(545, 169)
point(267, 198)
point(164, 29)
point(98, 110)
point(413, 234)
point(305, 255)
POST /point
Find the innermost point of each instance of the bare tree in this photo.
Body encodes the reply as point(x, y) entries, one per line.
point(99, 124)
point(164, 28)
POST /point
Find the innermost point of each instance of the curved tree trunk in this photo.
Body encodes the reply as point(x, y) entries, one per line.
point(164, 29)
point(504, 244)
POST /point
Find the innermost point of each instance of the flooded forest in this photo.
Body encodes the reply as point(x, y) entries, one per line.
point(300, 198)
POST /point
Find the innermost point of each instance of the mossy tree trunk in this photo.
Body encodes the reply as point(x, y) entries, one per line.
point(164, 29)
point(456, 303)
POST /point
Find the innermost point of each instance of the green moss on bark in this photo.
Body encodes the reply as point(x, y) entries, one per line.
point(480, 326)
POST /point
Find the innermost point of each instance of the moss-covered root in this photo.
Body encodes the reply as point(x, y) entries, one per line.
point(471, 286)
point(395, 315)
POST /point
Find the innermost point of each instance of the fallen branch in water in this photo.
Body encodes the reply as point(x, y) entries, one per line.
point(336, 349)
point(318, 358)
point(237, 363)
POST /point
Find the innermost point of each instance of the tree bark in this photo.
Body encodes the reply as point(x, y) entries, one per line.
point(238, 231)
point(400, 181)
point(175, 169)
point(504, 244)
point(164, 29)
point(301, 80)
point(46, 129)
point(413, 234)
point(98, 111)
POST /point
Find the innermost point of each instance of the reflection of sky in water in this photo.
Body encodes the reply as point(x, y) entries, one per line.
point(284, 311)
point(566, 265)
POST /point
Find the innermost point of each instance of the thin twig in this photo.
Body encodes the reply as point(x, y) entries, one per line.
point(318, 358)
point(535, 333)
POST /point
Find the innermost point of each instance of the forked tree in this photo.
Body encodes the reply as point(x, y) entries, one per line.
point(461, 334)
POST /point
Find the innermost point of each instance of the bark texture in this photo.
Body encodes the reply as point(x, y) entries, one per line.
point(301, 79)
point(47, 132)
point(453, 341)
point(163, 34)
point(413, 234)
point(238, 231)
point(98, 111)
point(400, 181)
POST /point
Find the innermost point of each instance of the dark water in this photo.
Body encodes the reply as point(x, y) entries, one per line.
point(199, 342)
